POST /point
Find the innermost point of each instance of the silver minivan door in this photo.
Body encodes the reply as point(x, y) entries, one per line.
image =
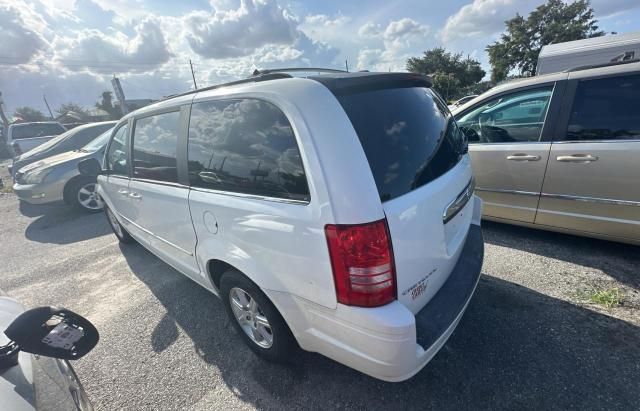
point(160, 202)
point(507, 156)
point(114, 187)
point(591, 181)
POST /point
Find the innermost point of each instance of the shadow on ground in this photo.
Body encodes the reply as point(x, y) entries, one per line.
point(515, 348)
point(59, 223)
point(620, 261)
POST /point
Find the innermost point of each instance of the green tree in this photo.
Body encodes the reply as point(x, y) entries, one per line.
point(73, 108)
point(106, 104)
point(29, 114)
point(553, 22)
point(452, 74)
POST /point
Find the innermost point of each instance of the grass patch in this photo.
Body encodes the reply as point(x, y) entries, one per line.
point(608, 298)
point(6, 189)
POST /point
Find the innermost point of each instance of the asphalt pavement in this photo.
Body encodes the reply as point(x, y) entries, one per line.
point(528, 340)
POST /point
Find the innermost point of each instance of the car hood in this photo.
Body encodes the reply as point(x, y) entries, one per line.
point(56, 160)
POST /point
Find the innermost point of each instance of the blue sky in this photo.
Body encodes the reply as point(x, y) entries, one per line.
point(70, 49)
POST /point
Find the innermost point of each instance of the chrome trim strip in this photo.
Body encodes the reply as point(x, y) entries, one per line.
point(524, 193)
point(592, 199)
point(228, 193)
point(454, 207)
point(156, 236)
point(597, 141)
point(158, 182)
point(250, 196)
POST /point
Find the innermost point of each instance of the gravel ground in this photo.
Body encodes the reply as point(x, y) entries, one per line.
point(530, 338)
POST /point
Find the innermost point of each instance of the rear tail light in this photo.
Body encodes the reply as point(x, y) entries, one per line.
point(362, 262)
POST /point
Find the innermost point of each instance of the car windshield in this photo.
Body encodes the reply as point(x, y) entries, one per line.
point(36, 130)
point(99, 142)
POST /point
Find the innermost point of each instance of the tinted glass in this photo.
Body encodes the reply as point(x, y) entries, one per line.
point(155, 141)
point(245, 146)
point(407, 134)
point(98, 142)
point(84, 136)
point(511, 118)
point(117, 153)
point(36, 130)
point(606, 109)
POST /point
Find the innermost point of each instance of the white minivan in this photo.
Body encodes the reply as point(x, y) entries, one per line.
point(333, 212)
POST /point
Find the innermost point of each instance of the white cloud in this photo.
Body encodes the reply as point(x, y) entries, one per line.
point(240, 32)
point(21, 40)
point(480, 18)
point(100, 52)
point(399, 39)
point(326, 21)
point(370, 29)
point(401, 32)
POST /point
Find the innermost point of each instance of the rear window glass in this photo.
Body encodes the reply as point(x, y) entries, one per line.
point(408, 136)
point(36, 130)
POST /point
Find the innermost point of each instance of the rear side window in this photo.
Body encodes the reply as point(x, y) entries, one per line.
point(408, 136)
point(155, 143)
point(245, 146)
point(606, 109)
point(116, 157)
point(36, 130)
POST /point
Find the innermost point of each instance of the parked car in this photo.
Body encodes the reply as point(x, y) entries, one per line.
point(334, 211)
point(22, 137)
point(35, 349)
point(73, 139)
point(560, 151)
point(57, 178)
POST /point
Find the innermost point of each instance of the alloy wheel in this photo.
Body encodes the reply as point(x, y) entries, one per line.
point(89, 198)
point(250, 317)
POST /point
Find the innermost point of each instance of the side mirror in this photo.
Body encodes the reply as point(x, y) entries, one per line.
point(50, 332)
point(90, 167)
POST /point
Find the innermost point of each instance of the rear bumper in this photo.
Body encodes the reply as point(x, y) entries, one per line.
point(389, 342)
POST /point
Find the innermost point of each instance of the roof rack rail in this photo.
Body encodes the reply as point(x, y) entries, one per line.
point(251, 79)
point(609, 64)
point(294, 69)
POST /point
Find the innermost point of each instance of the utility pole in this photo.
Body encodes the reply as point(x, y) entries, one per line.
point(47, 104)
point(193, 75)
point(5, 122)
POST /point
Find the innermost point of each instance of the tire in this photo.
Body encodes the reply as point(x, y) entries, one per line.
point(282, 346)
point(83, 195)
point(118, 229)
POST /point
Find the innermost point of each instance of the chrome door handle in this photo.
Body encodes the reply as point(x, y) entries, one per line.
point(523, 157)
point(135, 196)
point(123, 192)
point(577, 158)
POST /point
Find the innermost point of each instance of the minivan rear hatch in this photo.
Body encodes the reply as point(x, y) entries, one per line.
point(418, 160)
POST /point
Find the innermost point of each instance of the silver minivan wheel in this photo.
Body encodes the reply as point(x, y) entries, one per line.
point(89, 198)
point(250, 317)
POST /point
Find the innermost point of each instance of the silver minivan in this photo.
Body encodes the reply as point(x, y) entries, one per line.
point(560, 151)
